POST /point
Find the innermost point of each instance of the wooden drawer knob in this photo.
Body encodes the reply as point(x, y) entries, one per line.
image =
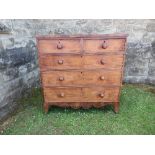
point(102, 77)
point(59, 45)
point(102, 62)
point(61, 78)
point(101, 95)
point(60, 62)
point(62, 95)
point(104, 44)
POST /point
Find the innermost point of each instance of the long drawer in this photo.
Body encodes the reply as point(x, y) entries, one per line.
point(86, 94)
point(81, 62)
point(82, 77)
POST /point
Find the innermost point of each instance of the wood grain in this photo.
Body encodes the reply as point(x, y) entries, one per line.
point(103, 61)
point(79, 62)
point(50, 46)
point(84, 36)
point(101, 94)
point(77, 105)
point(63, 94)
point(70, 94)
point(81, 78)
point(69, 62)
point(93, 46)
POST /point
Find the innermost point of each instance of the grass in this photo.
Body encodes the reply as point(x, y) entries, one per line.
point(136, 116)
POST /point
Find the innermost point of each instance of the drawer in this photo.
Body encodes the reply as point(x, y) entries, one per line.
point(86, 94)
point(62, 94)
point(59, 46)
point(62, 78)
point(108, 45)
point(78, 62)
point(84, 78)
point(60, 62)
point(100, 94)
point(101, 77)
point(103, 61)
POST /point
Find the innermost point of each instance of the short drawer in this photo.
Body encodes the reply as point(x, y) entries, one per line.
point(100, 94)
point(108, 45)
point(59, 46)
point(62, 94)
point(101, 78)
point(60, 62)
point(81, 78)
point(62, 78)
point(103, 61)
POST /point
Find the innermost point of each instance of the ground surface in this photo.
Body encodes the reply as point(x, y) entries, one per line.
point(136, 116)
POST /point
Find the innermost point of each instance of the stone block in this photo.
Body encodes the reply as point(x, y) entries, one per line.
point(152, 67)
point(4, 60)
point(7, 110)
point(135, 79)
point(4, 28)
point(151, 27)
point(8, 43)
point(1, 46)
point(137, 71)
point(151, 80)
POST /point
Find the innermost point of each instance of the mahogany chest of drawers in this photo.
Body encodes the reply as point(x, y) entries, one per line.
point(81, 71)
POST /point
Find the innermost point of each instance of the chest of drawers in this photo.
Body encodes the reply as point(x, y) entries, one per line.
point(81, 71)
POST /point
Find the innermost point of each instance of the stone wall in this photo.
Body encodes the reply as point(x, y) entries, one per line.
point(18, 55)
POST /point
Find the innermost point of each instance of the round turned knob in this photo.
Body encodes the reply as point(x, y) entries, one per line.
point(62, 94)
point(101, 95)
point(59, 45)
point(102, 62)
point(102, 77)
point(61, 78)
point(104, 44)
point(60, 61)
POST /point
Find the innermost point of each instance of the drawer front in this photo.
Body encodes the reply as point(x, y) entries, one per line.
point(101, 77)
point(62, 78)
point(89, 94)
point(84, 78)
point(103, 61)
point(108, 45)
point(62, 94)
point(100, 94)
point(59, 46)
point(78, 62)
point(60, 62)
